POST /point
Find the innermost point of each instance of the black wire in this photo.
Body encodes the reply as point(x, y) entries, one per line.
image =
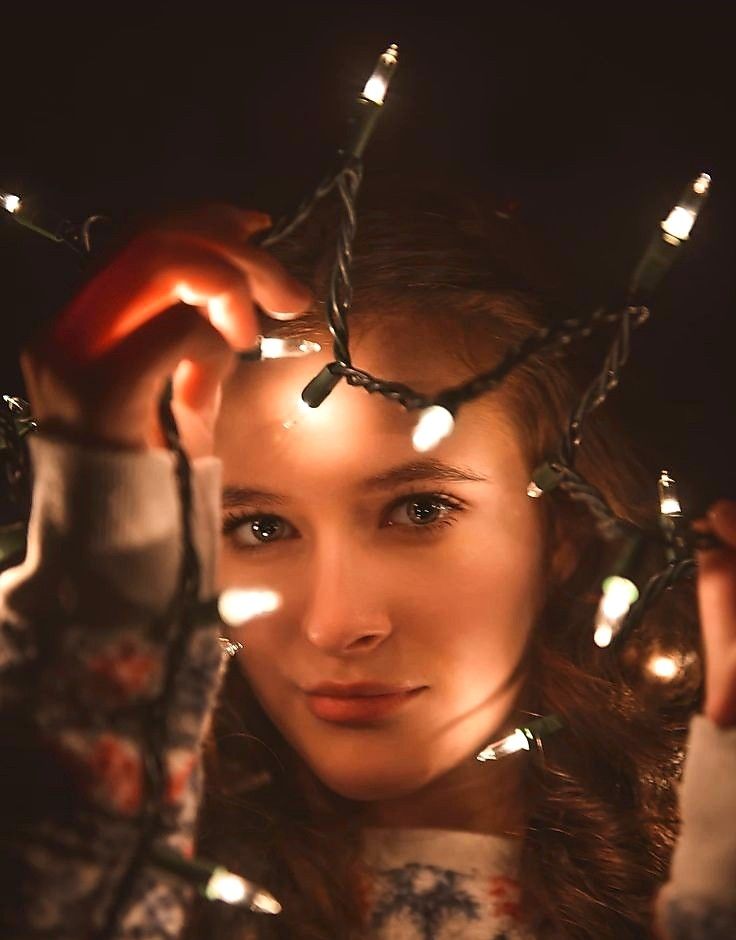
point(653, 589)
point(181, 615)
point(606, 380)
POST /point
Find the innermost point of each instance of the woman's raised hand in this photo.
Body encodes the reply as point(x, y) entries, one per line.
point(717, 601)
point(96, 374)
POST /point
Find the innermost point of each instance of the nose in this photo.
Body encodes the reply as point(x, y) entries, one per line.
point(345, 612)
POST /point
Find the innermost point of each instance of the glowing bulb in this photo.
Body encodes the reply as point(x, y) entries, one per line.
point(516, 741)
point(265, 903)
point(225, 886)
point(663, 667)
point(302, 409)
point(236, 605)
point(678, 224)
point(274, 348)
point(545, 478)
point(230, 647)
point(669, 503)
point(603, 635)
point(377, 85)
point(702, 184)
point(10, 202)
point(618, 595)
point(435, 423)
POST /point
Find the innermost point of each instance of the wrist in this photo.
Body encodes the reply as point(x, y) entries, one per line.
point(721, 711)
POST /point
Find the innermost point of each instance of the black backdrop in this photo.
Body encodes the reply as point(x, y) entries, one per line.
point(591, 117)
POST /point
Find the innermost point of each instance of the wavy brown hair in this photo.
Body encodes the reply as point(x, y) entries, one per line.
point(601, 806)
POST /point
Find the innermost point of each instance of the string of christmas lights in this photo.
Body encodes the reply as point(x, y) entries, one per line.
point(215, 882)
point(77, 236)
point(622, 604)
point(526, 738)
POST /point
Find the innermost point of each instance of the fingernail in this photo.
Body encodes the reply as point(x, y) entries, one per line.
point(279, 314)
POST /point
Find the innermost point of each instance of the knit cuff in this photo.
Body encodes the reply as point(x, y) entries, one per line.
point(114, 517)
point(703, 872)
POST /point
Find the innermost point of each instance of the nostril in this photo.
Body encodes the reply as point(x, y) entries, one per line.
point(367, 640)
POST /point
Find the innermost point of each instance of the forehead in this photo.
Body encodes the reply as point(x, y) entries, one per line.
point(353, 435)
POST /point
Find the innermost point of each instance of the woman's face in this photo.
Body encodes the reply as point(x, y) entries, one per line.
point(409, 582)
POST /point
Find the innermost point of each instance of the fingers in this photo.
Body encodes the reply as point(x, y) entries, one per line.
point(231, 311)
point(198, 385)
point(717, 573)
point(273, 288)
point(142, 283)
point(209, 264)
point(98, 371)
point(722, 521)
point(717, 606)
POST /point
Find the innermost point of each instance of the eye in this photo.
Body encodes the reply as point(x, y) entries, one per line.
point(415, 514)
point(251, 531)
point(423, 511)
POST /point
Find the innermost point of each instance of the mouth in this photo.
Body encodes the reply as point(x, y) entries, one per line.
point(359, 703)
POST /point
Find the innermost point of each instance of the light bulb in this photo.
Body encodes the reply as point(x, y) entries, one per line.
point(314, 394)
point(663, 667)
point(702, 184)
point(225, 886)
point(10, 202)
point(545, 478)
point(435, 423)
point(669, 503)
point(522, 739)
point(619, 594)
point(377, 85)
point(678, 224)
point(272, 347)
point(301, 409)
point(237, 605)
point(516, 741)
point(603, 635)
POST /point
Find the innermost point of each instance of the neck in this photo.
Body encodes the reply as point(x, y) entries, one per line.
point(472, 797)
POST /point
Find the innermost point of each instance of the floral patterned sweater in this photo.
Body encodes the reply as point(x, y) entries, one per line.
point(97, 718)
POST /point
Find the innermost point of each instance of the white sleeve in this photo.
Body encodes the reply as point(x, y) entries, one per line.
point(699, 899)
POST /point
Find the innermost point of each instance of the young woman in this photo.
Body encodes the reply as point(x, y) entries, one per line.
point(427, 606)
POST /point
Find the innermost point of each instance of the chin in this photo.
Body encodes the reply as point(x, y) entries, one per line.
point(367, 788)
point(365, 781)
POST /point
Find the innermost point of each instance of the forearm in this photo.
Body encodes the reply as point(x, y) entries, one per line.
point(90, 701)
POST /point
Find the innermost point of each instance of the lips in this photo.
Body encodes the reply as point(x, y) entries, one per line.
point(359, 702)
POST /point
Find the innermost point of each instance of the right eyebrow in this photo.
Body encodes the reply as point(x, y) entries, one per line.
point(234, 495)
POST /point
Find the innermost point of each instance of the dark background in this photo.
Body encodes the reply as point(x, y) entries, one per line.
point(591, 117)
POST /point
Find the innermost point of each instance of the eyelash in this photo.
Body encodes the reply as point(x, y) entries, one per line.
point(449, 504)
